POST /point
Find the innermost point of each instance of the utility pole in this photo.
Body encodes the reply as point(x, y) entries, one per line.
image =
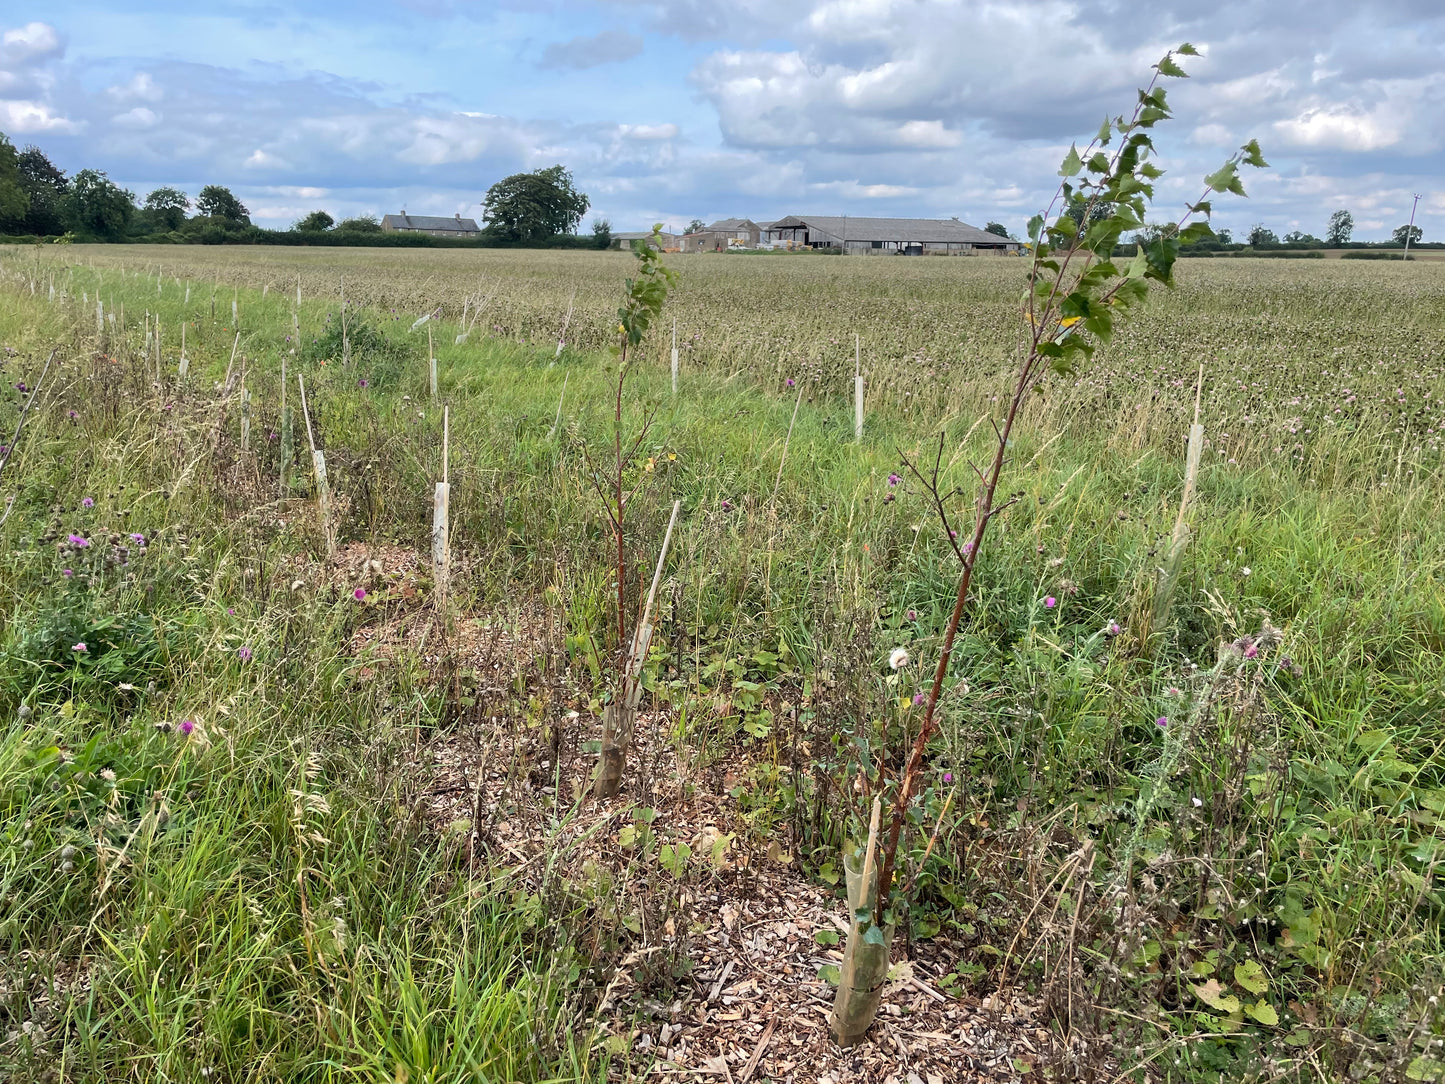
point(1411, 227)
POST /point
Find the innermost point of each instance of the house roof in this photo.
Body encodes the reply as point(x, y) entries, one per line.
point(733, 224)
point(852, 228)
point(430, 222)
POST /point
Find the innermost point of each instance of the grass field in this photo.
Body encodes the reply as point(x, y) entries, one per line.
point(214, 850)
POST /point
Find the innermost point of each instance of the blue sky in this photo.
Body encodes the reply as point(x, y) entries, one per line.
point(666, 110)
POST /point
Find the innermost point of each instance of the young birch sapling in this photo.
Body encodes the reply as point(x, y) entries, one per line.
point(1075, 296)
point(642, 302)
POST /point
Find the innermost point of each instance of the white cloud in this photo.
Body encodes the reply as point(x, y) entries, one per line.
point(26, 118)
point(1344, 128)
point(29, 43)
point(260, 159)
point(140, 88)
point(140, 117)
point(648, 132)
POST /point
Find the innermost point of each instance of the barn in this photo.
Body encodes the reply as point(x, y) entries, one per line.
point(723, 235)
point(432, 225)
point(887, 236)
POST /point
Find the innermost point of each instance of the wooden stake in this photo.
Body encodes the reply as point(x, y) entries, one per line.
point(562, 337)
point(440, 524)
point(558, 420)
point(674, 355)
point(318, 463)
point(619, 716)
point(431, 353)
point(184, 364)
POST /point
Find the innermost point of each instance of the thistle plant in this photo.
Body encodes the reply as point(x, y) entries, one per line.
point(1075, 296)
point(642, 302)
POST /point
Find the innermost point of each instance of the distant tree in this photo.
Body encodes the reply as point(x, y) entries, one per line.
point(216, 201)
point(1224, 235)
point(997, 228)
point(601, 232)
point(1259, 235)
point(315, 222)
point(1404, 233)
point(366, 223)
point(1153, 231)
point(167, 207)
point(1079, 209)
point(1342, 224)
point(696, 226)
point(534, 206)
point(97, 205)
point(14, 200)
point(1296, 237)
point(47, 185)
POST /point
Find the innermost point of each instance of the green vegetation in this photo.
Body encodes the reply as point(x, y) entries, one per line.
point(1250, 887)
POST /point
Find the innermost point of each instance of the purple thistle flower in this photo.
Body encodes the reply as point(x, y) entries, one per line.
point(67, 572)
point(359, 594)
point(727, 506)
point(917, 699)
point(913, 615)
point(361, 383)
point(948, 777)
point(187, 726)
point(73, 415)
point(87, 502)
point(1162, 722)
point(893, 479)
point(138, 539)
point(790, 381)
point(1050, 602)
point(78, 542)
point(244, 654)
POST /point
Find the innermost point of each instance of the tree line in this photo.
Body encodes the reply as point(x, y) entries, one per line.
point(38, 200)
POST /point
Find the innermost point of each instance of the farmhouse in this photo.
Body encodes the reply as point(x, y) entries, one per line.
point(883, 236)
point(433, 225)
point(722, 235)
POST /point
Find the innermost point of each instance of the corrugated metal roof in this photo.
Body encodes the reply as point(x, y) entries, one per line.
point(430, 222)
point(734, 224)
point(851, 228)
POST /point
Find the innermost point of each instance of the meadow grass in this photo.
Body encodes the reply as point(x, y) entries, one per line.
point(259, 896)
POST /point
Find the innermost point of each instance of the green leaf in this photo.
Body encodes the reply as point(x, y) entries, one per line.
point(1213, 995)
point(1250, 975)
point(1264, 1012)
point(1168, 67)
point(1220, 179)
point(826, 937)
point(674, 859)
point(1099, 163)
point(1187, 50)
point(1103, 137)
point(829, 973)
point(1425, 1068)
point(1252, 155)
point(1036, 225)
point(874, 936)
point(1072, 163)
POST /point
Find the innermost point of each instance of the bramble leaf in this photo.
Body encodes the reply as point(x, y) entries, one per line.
point(1250, 975)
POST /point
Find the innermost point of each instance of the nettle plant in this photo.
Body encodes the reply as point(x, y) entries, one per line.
point(1076, 296)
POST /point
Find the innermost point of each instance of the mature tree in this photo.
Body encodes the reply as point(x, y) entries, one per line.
point(601, 232)
point(218, 202)
point(47, 185)
point(996, 228)
point(1154, 231)
point(1224, 235)
point(14, 200)
point(97, 205)
point(1260, 235)
point(366, 223)
point(167, 207)
point(534, 206)
point(1407, 233)
point(697, 225)
point(1080, 209)
point(1298, 237)
point(1342, 224)
point(315, 222)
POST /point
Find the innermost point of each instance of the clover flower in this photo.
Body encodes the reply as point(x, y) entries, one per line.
point(80, 648)
point(1050, 602)
point(87, 502)
point(359, 594)
point(244, 654)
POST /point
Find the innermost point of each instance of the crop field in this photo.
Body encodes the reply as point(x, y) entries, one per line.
point(281, 800)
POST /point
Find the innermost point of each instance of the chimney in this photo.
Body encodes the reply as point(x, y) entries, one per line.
point(459, 216)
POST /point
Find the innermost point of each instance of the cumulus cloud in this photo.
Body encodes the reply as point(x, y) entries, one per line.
point(610, 46)
point(139, 117)
point(30, 43)
point(140, 87)
point(31, 118)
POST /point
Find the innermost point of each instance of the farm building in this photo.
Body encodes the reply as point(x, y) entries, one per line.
point(722, 235)
point(885, 236)
point(624, 240)
point(433, 225)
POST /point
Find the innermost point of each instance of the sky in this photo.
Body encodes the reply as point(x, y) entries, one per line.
point(669, 110)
